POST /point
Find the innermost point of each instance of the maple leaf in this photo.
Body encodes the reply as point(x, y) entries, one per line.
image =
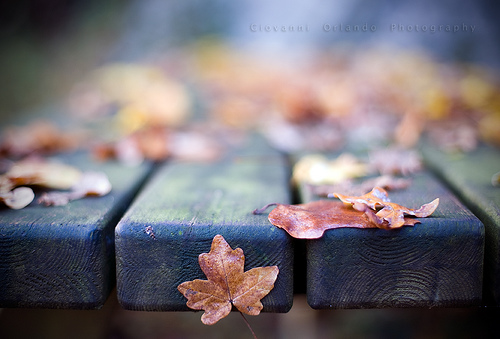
point(391, 215)
point(227, 283)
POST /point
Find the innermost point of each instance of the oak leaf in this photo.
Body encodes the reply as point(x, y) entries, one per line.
point(227, 283)
point(391, 215)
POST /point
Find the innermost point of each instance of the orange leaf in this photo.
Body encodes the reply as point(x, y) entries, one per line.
point(227, 283)
point(311, 220)
point(391, 215)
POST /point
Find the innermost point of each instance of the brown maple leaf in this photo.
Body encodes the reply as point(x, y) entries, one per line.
point(227, 283)
point(391, 215)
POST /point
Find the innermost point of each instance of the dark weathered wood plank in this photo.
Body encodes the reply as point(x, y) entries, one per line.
point(469, 175)
point(63, 257)
point(437, 263)
point(185, 205)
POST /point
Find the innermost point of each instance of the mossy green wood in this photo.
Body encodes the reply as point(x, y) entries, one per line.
point(470, 176)
point(63, 257)
point(437, 263)
point(182, 208)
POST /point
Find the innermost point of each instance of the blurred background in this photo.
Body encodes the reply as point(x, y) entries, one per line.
point(49, 46)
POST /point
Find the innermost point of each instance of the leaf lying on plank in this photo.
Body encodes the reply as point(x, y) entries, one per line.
point(396, 161)
point(317, 169)
point(351, 187)
point(227, 284)
point(90, 183)
point(17, 198)
point(311, 220)
point(391, 215)
point(42, 173)
point(39, 137)
point(50, 175)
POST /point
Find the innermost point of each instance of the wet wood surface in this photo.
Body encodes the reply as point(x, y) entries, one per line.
point(470, 177)
point(182, 208)
point(437, 263)
point(63, 257)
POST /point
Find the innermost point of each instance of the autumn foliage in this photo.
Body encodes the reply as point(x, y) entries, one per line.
point(227, 285)
point(371, 210)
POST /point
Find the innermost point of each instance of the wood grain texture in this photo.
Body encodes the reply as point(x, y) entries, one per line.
point(437, 263)
point(63, 257)
point(469, 176)
point(186, 205)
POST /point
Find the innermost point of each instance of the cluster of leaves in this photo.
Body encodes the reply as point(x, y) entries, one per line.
point(67, 182)
point(149, 113)
point(329, 99)
point(311, 220)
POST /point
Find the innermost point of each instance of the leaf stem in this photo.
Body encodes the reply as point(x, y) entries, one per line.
point(261, 210)
point(248, 324)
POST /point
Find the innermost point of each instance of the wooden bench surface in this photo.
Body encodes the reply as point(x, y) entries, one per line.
point(63, 257)
point(470, 177)
point(183, 207)
point(437, 263)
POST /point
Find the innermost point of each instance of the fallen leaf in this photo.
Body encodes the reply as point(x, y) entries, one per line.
point(34, 173)
point(17, 198)
point(311, 220)
point(38, 137)
point(43, 173)
point(90, 184)
point(349, 187)
point(317, 169)
point(227, 283)
point(395, 161)
point(495, 179)
point(391, 215)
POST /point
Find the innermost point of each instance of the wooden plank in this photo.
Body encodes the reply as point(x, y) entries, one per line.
point(185, 205)
point(437, 263)
point(63, 257)
point(469, 175)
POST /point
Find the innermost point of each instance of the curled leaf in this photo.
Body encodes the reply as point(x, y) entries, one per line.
point(18, 198)
point(311, 220)
point(391, 215)
point(90, 184)
point(34, 173)
point(41, 173)
point(227, 283)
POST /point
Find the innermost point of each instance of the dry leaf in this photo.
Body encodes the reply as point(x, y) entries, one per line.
point(37, 173)
point(42, 173)
point(317, 169)
point(90, 184)
point(311, 220)
point(17, 198)
point(39, 137)
point(495, 179)
point(227, 284)
point(349, 187)
point(395, 161)
point(391, 215)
